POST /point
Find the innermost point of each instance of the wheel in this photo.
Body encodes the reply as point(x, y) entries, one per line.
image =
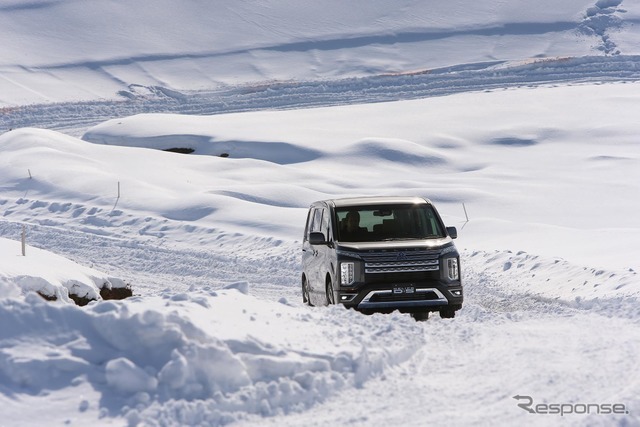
point(420, 316)
point(329, 293)
point(447, 313)
point(306, 299)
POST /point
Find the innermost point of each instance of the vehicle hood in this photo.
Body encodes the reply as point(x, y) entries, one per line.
point(395, 244)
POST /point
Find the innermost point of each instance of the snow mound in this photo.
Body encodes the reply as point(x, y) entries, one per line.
point(389, 150)
point(197, 135)
point(50, 275)
point(187, 365)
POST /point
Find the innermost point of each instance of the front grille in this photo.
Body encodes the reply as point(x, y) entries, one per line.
point(401, 261)
point(416, 296)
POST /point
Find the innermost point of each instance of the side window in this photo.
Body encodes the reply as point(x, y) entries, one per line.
point(307, 227)
point(317, 220)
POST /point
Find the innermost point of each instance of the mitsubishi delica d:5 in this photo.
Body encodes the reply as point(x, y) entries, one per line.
point(380, 254)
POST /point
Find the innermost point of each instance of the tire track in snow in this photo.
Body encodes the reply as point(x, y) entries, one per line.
point(498, 346)
point(151, 266)
point(76, 118)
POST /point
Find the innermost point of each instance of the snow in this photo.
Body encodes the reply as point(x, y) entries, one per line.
point(50, 274)
point(71, 50)
point(518, 120)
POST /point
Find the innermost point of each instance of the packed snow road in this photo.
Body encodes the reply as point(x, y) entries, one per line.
point(517, 358)
point(75, 118)
point(153, 266)
point(540, 354)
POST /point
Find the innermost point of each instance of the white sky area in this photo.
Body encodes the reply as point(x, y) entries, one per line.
point(533, 155)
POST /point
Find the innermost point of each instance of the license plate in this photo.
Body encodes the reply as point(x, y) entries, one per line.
point(404, 290)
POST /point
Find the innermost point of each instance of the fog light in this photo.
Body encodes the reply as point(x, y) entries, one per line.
point(347, 297)
point(346, 273)
point(452, 268)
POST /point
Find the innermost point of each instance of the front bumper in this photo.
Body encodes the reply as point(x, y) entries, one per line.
point(405, 297)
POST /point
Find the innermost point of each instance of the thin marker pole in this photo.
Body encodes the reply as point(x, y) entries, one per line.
point(24, 240)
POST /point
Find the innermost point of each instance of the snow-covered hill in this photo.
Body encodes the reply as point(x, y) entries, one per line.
point(72, 50)
point(522, 116)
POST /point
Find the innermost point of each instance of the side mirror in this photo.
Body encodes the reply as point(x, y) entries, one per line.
point(452, 232)
point(317, 238)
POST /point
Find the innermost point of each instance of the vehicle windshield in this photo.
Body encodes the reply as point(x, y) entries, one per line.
point(388, 222)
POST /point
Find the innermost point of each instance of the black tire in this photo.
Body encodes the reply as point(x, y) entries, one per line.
point(421, 316)
point(329, 293)
point(306, 298)
point(447, 313)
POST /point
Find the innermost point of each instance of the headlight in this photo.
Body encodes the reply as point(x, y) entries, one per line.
point(346, 273)
point(453, 273)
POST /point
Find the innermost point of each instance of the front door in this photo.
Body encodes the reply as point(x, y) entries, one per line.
point(311, 259)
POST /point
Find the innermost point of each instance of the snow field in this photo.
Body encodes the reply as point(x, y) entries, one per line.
point(526, 113)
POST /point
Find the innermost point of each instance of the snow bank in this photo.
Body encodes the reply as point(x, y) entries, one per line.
point(207, 357)
point(51, 275)
point(517, 275)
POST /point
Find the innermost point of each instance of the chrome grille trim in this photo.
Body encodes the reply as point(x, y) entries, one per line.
point(366, 301)
point(400, 269)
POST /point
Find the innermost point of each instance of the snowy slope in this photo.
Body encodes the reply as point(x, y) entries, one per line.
point(525, 113)
point(72, 50)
